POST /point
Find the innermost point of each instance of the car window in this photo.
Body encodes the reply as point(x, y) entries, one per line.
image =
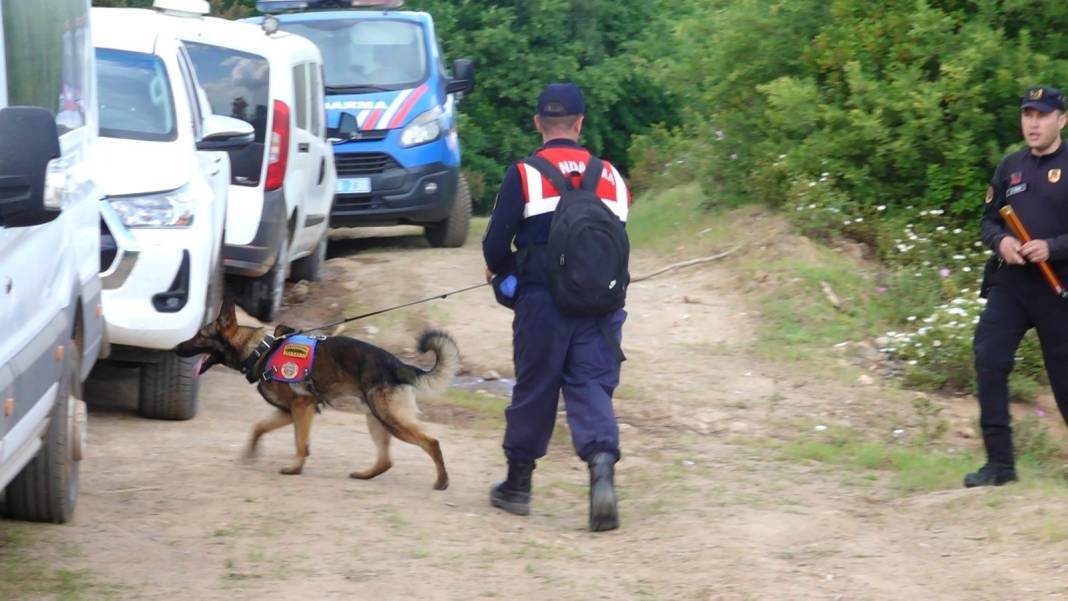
point(300, 89)
point(376, 53)
point(136, 101)
point(47, 44)
point(236, 83)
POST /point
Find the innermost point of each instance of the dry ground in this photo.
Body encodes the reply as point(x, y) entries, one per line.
point(710, 509)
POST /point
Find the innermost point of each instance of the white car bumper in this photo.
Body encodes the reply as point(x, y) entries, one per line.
point(132, 317)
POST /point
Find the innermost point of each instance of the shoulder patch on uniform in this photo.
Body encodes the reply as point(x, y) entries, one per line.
point(989, 195)
point(1053, 175)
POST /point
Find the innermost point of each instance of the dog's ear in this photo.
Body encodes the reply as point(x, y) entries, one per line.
point(282, 330)
point(228, 318)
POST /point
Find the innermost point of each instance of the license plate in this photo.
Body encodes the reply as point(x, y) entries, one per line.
point(354, 185)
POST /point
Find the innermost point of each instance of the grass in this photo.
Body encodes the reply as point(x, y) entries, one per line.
point(477, 228)
point(23, 576)
point(783, 273)
point(674, 222)
point(483, 406)
point(915, 470)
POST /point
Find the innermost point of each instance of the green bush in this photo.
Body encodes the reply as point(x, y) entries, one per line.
point(938, 353)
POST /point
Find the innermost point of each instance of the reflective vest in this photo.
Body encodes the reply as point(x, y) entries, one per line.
point(540, 197)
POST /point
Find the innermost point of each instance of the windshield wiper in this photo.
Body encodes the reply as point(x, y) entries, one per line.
point(356, 88)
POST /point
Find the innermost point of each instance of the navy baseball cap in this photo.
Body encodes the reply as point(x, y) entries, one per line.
point(561, 100)
point(1043, 99)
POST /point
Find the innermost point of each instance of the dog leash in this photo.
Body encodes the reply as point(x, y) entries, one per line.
point(386, 310)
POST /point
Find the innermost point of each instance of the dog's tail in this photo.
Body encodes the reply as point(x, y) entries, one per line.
point(435, 381)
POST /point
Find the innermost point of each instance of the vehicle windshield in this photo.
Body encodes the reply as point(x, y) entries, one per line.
point(135, 96)
point(368, 55)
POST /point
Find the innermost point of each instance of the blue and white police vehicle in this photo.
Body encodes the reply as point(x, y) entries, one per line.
point(391, 113)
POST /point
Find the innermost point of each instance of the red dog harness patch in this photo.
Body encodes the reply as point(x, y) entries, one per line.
point(292, 361)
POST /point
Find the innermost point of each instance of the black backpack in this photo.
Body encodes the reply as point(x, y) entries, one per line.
point(585, 260)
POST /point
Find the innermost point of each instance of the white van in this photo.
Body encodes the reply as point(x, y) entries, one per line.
point(50, 289)
point(164, 169)
point(282, 185)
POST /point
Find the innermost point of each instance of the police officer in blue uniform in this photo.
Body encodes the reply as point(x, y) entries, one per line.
point(553, 352)
point(1034, 181)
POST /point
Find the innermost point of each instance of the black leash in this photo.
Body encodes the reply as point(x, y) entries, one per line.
point(386, 310)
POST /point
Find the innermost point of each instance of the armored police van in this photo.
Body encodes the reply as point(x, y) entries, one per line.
point(50, 286)
point(391, 114)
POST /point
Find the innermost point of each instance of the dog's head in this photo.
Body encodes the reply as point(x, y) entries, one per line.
point(220, 341)
point(223, 342)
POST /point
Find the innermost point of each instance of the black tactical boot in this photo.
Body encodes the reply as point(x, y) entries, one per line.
point(603, 513)
point(513, 494)
point(991, 474)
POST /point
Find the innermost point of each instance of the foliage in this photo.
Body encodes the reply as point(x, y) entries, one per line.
point(899, 102)
point(878, 122)
point(518, 47)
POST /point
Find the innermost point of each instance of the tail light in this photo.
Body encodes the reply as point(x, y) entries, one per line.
point(279, 152)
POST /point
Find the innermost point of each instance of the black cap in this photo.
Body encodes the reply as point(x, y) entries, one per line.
point(1043, 99)
point(561, 100)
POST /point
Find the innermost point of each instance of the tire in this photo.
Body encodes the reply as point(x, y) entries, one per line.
point(265, 292)
point(452, 232)
point(309, 268)
point(46, 490)
point(169, 388)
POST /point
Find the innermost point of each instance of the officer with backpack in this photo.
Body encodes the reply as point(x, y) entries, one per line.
point(564, 210)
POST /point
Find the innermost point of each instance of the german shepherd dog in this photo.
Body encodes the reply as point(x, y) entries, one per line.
point(382, 386)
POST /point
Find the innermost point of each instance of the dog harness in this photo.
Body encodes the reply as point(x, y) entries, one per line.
point(292, 360)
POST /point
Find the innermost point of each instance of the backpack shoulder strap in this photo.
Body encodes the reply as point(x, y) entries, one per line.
point(592, 177)
point(550, 171)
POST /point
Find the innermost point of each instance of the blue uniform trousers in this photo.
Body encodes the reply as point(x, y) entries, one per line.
point(1019, 301)
point(554, 352)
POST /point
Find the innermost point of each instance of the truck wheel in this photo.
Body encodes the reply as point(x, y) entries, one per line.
point(169, 388)
point(310, 267)
point(265, 292)
point(47, 488)
point(453, 231)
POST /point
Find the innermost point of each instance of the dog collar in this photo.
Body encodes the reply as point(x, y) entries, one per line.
point(248, 366)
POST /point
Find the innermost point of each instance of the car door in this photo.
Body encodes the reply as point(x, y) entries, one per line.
point(321, 192)
point(302, 170)
point(214, 165)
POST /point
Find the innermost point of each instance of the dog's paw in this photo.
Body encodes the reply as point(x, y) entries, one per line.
point(441, 484)
point(292, 470)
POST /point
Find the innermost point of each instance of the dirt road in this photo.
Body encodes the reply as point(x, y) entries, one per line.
point(710, 510)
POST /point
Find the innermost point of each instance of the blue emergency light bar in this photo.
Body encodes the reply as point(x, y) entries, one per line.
point(281, 6)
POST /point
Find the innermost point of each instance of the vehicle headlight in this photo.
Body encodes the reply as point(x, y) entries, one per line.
point(169, 209)
point(425, 128)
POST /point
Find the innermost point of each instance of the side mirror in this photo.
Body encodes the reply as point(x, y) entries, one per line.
point(29, 140)
point(463, 76)
point(346, 128)
point(225, 133)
